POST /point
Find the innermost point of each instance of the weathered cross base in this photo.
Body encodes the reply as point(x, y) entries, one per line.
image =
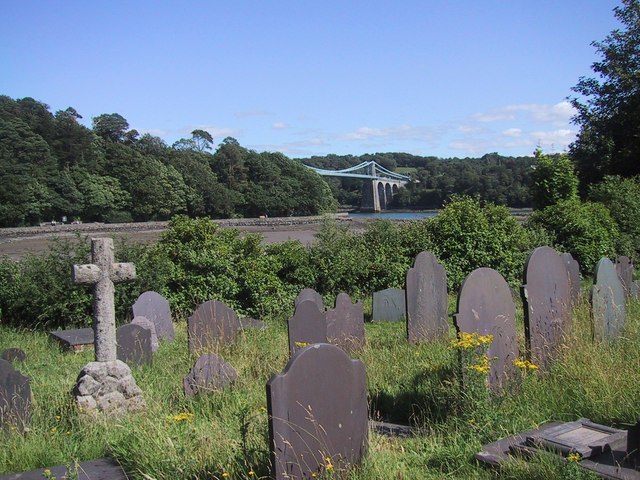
point(108, 387)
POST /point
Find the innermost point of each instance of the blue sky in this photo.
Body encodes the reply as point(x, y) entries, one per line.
point(449, 78)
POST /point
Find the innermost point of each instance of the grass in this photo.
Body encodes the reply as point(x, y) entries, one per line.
point(227, 432)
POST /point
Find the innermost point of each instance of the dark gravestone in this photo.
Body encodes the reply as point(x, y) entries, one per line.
point(210, 373)
point(15, 399)
point(547, 305)
point(485, 306)
point(156, 308)
point(134, 344)
point(75, 340)
point(573, 269)
point(608, 301)
point(389, 305)
point(427, 300)
point(317, 413)
point(625, 272)
point(14, 355)
point(345, 324)
point(144, 322)
point(212, 323)
point(309, 294)
point(307, 326)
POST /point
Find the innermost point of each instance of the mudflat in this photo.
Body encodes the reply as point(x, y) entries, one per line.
point(16, 243)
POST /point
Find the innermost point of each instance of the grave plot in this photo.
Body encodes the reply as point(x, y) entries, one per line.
point(547, 305)
point(307, 326)
point(309, 294)
point(134, 344)
point(210, 373)
point(155, 308)
point(485, 307)
point(345, 324)
point(389, 305)
point(213, 322)
point(317, 413)
point(427, 300)
point(573, 269)
point(15, 399)
point(608, 300)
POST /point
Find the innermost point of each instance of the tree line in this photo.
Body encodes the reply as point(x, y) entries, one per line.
point(493, 177)
point(52, 166)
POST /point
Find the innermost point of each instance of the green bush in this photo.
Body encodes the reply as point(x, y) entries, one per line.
point(468, 234)
point(584, 229)
point(622, 197)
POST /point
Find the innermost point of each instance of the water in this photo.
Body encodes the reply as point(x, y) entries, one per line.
point(395, 215)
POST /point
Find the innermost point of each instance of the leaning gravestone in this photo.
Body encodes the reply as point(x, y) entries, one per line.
point(134, 344)
point(317, 413)
point(608, 301)
point(144, 322)
point(624, 268)
point(547, 305)
point(213, 322)
point(309, 294)
point(573, 269)
point(14, 355)
point(156, 308)
point(427, 300)
point(345, 324)
point(107, 384)
point(210, 373)
point(389, 305)
point(485, 306)
point(15, 398)
point(307, 326)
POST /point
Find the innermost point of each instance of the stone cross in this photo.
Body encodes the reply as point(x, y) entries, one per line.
point(102, 273)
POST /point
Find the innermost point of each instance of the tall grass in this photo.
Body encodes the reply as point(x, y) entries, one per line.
point(415, 384)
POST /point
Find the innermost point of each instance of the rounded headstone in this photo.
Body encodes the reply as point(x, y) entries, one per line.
point(156, 308)
point(210, 373)
point(608, 300)
point(14, 354)
point(144, 322)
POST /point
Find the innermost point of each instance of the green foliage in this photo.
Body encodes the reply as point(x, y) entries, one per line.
point(584, 229)
point(622, 197)
point(553, 180)
point(467, 235)
point(608, 104)
point(202, 261)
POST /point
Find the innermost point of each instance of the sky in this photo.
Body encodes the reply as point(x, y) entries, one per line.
point(447, 78)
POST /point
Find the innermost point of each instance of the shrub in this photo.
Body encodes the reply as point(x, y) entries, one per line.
point(468, 234)
point(622, 197)
point(584, 229)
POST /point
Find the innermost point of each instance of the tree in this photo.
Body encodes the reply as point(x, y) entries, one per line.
point(202, 139)
point(553, 180)
point(609, 104)
point(111, 126)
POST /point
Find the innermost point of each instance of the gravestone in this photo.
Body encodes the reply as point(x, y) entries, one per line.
point(15, 399)
point(427, 300)
point(105, 385)
point(608, 301)
point(134, 344)
point(14, 355)
point(307, 326)
point(345, 324)
point(75, 339)
point(624, 268)
point(210, 373)
point(485, 306)
point(144, 322)
point(156, 308)
point(573, 269)
point(317, 413)
point(389, 305)
point(547, 300)
point(310, 294)
point(212, 323)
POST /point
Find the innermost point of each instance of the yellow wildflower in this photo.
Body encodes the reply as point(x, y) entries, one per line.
point(302, 344)
point(467, 341)
point(57, 418)
point(225, 474)
point(251, 473)
point(483, 366)
point(574, 457)
point(181, 417)
point(54, 429)
point(525, 365)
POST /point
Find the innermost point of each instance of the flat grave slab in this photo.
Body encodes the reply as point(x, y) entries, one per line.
point(603, 448)
point(75, 340)
point(391, 429)
point(100, 469)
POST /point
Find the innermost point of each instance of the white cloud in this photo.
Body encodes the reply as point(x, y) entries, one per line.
point(218, 133)
point(404, 132)
point(558, 114)
point(512, 132)
point(280, 126)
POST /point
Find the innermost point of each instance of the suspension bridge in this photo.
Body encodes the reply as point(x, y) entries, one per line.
point(379, 186)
